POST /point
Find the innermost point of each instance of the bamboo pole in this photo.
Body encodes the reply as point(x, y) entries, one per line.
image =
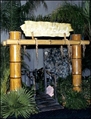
point(45, 42)
point(76, 64)
point(15, 62)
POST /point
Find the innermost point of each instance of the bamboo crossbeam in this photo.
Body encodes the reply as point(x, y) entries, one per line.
point(45, 42)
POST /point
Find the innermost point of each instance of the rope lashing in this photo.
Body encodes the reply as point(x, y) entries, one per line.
point(84, 48)
point(69, 48)
point(61, 50)
point(36, 42)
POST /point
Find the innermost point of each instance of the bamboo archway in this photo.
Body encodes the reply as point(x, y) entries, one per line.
point(15, 43)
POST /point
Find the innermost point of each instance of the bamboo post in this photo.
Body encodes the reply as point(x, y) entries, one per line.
point(76, 63)
point(15, 62)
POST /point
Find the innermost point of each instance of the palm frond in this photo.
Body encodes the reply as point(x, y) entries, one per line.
point(72, 14)
point(13, 14)
point(18, 103)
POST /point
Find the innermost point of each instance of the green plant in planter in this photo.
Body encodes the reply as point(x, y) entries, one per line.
point(18, 103)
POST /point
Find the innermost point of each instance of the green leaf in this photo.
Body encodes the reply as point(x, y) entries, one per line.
point(18, 103)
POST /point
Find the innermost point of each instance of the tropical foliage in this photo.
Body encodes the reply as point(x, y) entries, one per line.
point(72, 99)
point(4, 69)
point(69, 13)
point(79, 17)
point(13, 13)
point(86, 87)
point(86, 12)
point(18, 103)
point(21, 102)
point(75, 100)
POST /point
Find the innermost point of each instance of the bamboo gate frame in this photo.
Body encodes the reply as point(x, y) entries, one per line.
point(15, 43)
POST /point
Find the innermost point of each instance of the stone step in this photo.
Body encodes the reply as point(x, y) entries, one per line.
point(46, 103)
